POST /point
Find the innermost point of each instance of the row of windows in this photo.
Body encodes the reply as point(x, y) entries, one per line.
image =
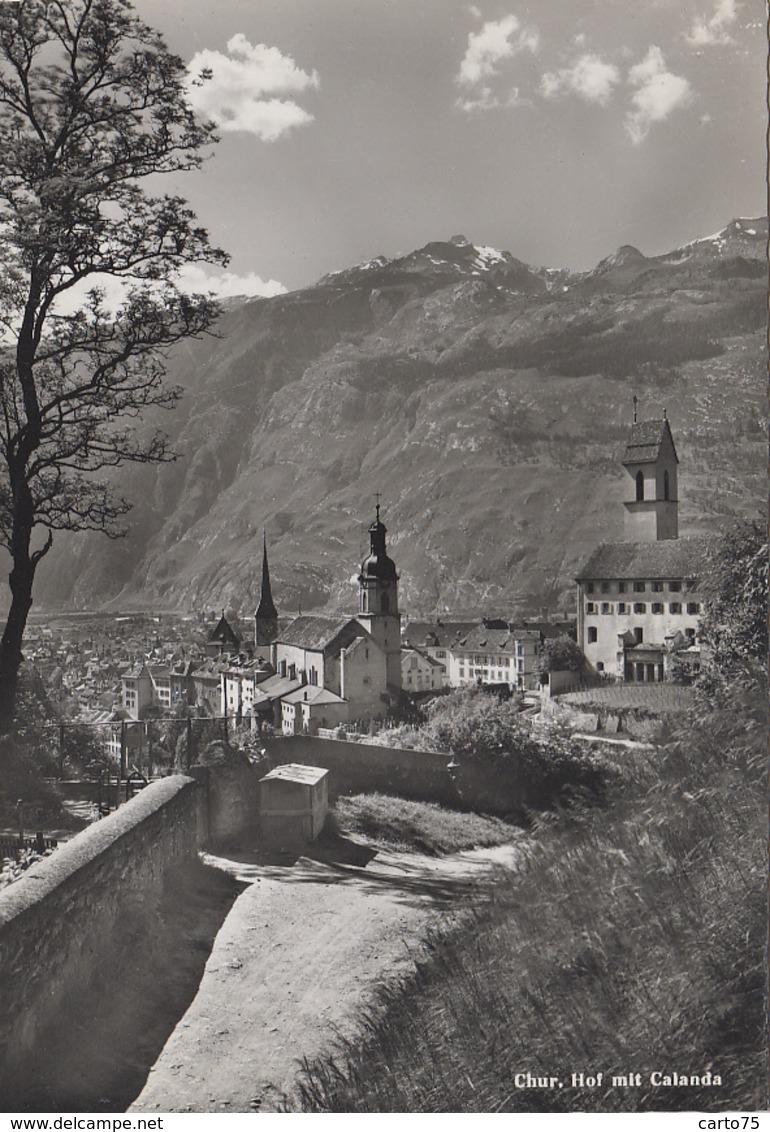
point(691, 607)
point(638, 633)
point(498, 661)
point(674, 587)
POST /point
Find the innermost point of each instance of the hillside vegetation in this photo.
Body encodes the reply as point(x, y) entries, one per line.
point(631, 941)
point(486, 400)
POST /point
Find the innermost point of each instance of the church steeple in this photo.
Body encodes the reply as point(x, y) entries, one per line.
point(651, 462)
point(266, 617)
point(378, 599)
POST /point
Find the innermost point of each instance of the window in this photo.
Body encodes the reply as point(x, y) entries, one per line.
point(589, 587)
point(600, 666)
point(606, 607)
point(675, 587)
point(605, 587)
point(639, 587)
point(621, 587)
point(693, 607)
point(640, 607)
point(657, 607)
point(590, 607)
point(666, 487)
point(639, 634)
point(440, 652)
point(385, 604)
point(292, 672)
point(622, 607)
point(592, 634)
point(690, 634)
point(675, 607)
point(657, 587)
point(639, 486)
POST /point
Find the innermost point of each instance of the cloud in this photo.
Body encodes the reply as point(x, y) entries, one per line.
point(658, 94)
point(590, 78)
point(192, 279)
point(226, 284)
point(497, 41)
point(246, 89)
point(713, 31)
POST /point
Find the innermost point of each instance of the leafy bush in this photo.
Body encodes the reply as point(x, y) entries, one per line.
point(14, 867)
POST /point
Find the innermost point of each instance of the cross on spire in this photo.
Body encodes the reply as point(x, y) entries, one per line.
point(377, 508)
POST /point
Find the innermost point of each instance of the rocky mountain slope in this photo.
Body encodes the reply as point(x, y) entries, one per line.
point(486, 400)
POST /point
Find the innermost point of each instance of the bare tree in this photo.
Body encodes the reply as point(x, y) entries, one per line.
point(92, 104)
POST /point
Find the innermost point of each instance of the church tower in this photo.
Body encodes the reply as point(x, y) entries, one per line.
point(266, 617)
point(651, 462)
point(378, 601)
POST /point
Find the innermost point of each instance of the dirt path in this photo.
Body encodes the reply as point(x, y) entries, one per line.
point(299, 953)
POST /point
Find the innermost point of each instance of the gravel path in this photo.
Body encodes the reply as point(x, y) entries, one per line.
point(299, 953)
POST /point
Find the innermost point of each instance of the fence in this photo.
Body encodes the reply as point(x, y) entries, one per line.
point(13, 847)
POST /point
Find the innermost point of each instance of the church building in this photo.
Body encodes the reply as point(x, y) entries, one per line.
point(638, 602)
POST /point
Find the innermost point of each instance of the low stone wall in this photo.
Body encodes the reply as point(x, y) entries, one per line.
point(361, 768)
point(72, 922)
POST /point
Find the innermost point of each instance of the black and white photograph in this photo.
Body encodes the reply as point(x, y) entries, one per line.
point(383, 596)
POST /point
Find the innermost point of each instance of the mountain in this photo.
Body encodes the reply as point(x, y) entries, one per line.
point(486, 400)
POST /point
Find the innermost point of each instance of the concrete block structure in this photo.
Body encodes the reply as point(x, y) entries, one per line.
point(293, 804)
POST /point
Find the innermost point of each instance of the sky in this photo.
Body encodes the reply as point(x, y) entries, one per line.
point(557, 130)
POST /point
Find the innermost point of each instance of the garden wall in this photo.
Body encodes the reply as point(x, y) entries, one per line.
point(359, 768)
point(74, 923)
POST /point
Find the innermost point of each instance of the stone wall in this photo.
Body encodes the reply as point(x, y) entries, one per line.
point(360, 768)
point(70, 925)
point(228, 803)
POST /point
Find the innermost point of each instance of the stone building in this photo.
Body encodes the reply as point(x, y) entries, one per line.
point(638, 601)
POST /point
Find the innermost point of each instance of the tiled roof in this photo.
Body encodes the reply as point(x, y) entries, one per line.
point(491, 640)
point(274, 688)
point(644, 441)
point(313, 695)
point(436, 634)
point(422, 655)
point(670, 558)
point(312, 632)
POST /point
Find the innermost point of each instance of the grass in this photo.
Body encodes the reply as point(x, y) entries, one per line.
point(632, 941)
point(420, 827)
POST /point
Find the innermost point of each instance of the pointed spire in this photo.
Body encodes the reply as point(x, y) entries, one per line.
point(266, 608)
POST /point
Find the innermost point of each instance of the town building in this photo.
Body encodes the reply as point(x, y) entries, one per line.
point(638, 601)
point(420, 672)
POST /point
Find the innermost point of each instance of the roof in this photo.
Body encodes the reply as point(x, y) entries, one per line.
point(313, 632)
point(295, 772)
point(436, 634)
point(311, 694)
point(406, 652)
point(493, 640)
point(670, 558)
point(645, 440)
point(224, 632)
point(273, 689)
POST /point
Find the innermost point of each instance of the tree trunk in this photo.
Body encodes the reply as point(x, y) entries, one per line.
point(21, 579)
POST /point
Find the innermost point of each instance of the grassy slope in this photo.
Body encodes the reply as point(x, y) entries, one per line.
point(632, 942)
point(423, 827)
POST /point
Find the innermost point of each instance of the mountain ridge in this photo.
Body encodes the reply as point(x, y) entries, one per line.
point(484, 398)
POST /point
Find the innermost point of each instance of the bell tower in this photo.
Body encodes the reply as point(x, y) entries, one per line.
point(378, 600)
point(266, 617)
point(652, 512)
